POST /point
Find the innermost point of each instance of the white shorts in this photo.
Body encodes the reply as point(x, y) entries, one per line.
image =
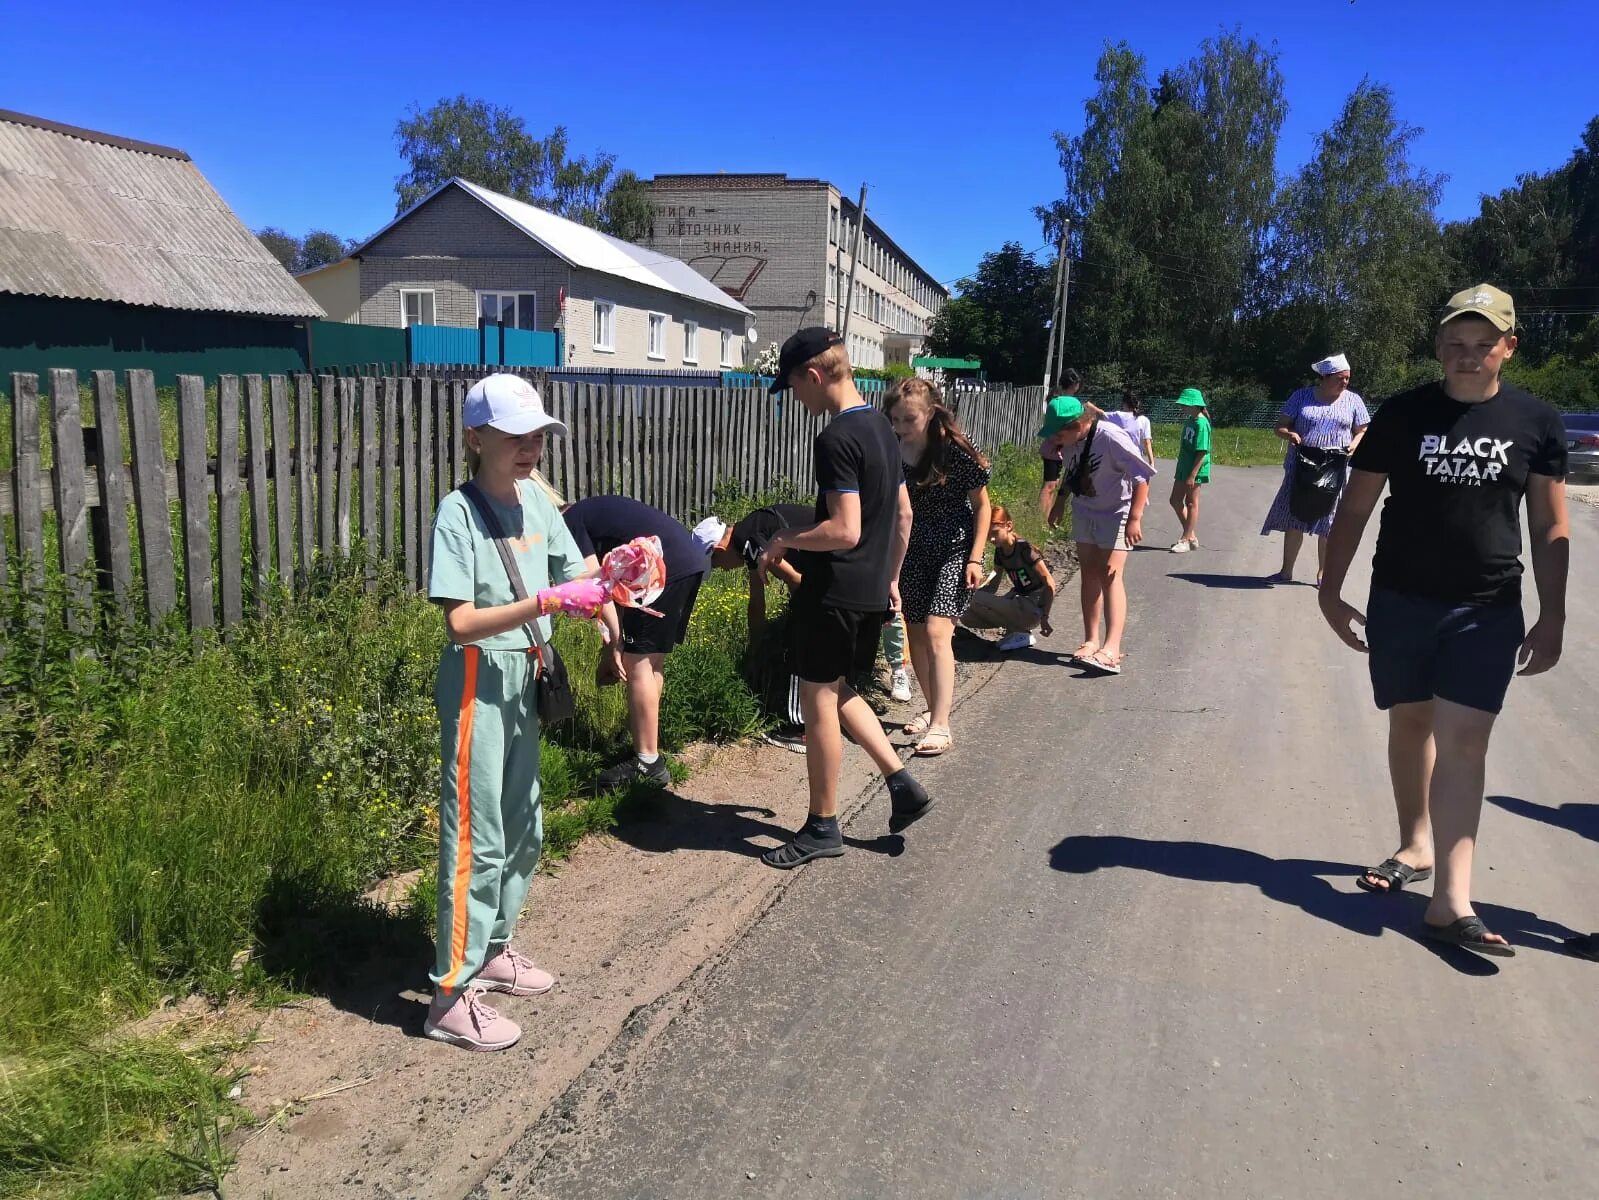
point(1108, 531)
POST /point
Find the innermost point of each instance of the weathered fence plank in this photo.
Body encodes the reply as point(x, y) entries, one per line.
point(67, 479)
point(389, 439)
point(195, 497)
point(327, 475)
point(305, 466)
point(150, 495)
point(282, 477)
point(229, 542)
point(424, 481)
point(442, 471)
point(255, 444)
point(347, 450)
point(109, 522)
point(408, 479)
point(369, 466)
point(27, 478)
point(458, 392)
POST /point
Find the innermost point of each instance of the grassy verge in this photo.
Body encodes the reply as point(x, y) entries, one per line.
point(1230, 447)
point(178, 820)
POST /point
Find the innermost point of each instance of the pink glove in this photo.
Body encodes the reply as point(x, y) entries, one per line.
point(574, 598)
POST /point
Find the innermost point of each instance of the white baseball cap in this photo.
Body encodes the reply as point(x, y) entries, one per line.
point(708, 534)
point(1333, 364)
point(509, 403)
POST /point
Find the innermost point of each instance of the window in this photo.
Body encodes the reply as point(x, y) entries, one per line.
point(514, 310)
point(832, 282)
point(727, 347)
point(832, 226)
point(657, 344)
point(691, 341)
point(605, 326)
point(416, 308)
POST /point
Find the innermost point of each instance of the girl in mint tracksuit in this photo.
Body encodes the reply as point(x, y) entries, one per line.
point(490, 821)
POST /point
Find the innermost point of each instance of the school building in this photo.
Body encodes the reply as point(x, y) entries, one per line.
point(782, 247)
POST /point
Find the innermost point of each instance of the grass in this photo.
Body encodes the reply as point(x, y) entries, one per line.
point(1230, 447)
point(179, 820)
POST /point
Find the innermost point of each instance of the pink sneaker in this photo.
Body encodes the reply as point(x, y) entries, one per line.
point(471, 1024)
point(510, 972)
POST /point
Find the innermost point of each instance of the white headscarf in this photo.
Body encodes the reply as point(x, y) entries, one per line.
point(1334, 364)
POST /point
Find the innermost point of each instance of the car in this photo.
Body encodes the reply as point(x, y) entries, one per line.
point(1582, 444)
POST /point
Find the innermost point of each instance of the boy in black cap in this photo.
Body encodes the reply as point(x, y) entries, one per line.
point(853, 555)
point(1444, 626)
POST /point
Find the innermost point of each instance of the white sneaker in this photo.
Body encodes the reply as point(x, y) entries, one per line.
point(1020, 640)
point(899, 686)
point(1180, 546)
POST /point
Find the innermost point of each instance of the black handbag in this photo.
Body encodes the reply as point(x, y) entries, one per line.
point(1318, 479)
point(553, 697)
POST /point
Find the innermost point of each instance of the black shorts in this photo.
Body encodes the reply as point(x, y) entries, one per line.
point(1421, 649)
point(644, 634)
point(828, 643)
point(1053, 468)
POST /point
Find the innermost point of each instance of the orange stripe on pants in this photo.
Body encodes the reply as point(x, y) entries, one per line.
point(463, 818)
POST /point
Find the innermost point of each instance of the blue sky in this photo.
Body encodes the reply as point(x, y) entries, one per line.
point(945, 109)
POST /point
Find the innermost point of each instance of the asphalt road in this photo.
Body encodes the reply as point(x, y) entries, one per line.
point(1125, 957)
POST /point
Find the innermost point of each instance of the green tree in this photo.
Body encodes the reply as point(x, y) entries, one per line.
point(283, 246)
point(999, 316)
point(319, 248)
point(1357, 263)
point(628, 210)
point(491, 146)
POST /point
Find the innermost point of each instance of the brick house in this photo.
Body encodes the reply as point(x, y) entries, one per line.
point(465, 253)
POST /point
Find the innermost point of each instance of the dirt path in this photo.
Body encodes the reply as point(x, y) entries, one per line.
point(624, 923)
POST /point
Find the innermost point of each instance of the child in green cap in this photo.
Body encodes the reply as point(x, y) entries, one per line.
point(1193, 470)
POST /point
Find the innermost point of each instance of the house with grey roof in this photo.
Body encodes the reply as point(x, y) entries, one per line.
point(465, 254)
point(116, 253)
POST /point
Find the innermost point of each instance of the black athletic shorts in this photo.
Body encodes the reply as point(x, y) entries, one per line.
point(829, 643)
point(644, 634)
point(1421, 649)
point(1052, 469)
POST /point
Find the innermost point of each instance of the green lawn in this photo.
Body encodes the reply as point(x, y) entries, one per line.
point(1229, 447)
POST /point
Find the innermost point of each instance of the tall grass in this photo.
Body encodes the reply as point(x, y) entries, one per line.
point(1229, 447)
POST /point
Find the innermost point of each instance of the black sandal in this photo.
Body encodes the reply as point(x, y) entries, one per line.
point(801, 849)
point(1469, 933)
point(1393, 872)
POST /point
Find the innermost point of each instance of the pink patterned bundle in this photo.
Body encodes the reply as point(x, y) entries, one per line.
point(631, 575)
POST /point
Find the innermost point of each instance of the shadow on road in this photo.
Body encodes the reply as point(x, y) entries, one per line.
point(1580, 819)
point(1237, 583)
point(657, 822)
point(1303, 884)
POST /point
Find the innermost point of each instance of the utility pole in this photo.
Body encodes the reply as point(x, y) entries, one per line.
point(1057, 325)
point(854, 262)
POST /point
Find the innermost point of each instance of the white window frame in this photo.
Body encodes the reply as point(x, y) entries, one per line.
point(609, 322)
point(432, 303)
point(650, 350)
point(727, 348)
point(516, 295)
point(691, 343)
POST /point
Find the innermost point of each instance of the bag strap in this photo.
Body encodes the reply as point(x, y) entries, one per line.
point(491, 521)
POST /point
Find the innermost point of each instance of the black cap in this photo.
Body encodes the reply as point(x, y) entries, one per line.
point(801, 348)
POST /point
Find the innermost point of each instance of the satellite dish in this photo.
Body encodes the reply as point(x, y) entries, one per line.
point(752, 335)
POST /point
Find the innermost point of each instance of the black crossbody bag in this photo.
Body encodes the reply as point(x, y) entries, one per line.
point(554, 687)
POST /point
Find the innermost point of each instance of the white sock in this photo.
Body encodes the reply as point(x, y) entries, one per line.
point(648, 759)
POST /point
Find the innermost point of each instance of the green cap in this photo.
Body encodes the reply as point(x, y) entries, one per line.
point(1191, 398)
point(1058, 413)
point(1485, 301)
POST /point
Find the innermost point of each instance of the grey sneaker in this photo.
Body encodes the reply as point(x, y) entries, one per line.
point(631, 770)
point(1020, 640)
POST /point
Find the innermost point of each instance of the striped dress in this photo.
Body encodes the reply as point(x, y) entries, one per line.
point(1321, 425)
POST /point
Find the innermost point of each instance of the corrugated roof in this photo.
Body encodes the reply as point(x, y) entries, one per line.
point(587, 248)
point(88, 216)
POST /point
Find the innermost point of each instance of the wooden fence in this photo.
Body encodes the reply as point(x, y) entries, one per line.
point(207, 498)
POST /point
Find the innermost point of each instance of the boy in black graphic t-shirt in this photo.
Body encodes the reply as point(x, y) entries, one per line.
point(854, 550)
point(1444, 627)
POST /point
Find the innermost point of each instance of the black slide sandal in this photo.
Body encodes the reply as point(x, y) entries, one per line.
point(1469, 933)
point(800, 850)
point(1396, 873)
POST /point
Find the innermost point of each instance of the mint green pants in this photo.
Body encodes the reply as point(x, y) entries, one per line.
point(491, 825)
point(894, 641)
